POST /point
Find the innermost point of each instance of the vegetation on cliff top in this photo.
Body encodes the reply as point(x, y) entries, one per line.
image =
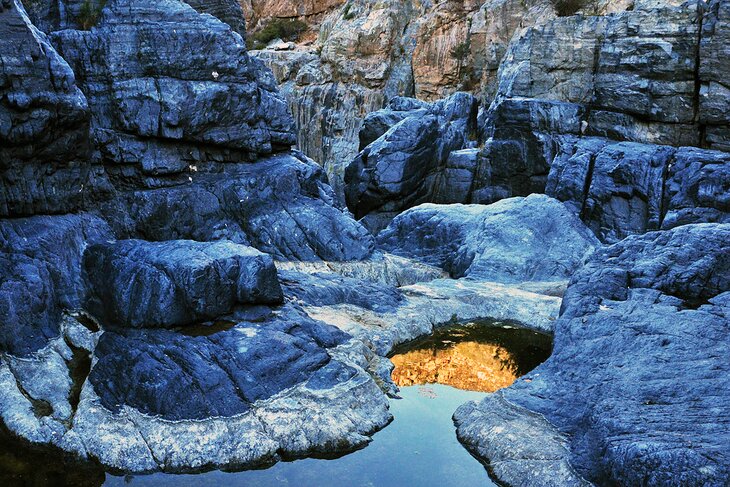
point(284, 29)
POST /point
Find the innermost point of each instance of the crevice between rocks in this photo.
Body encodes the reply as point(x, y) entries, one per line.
point(40, 407)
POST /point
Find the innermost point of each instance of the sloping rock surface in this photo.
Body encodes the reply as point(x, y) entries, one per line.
point(178, 282)
point(638, 354)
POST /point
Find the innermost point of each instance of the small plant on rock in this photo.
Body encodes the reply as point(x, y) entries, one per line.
point(89, 13)
point(284, 29)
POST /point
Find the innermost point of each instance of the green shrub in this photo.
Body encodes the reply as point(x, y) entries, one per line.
point(461, 51)
point(565, 8)
point(89, 13)
point(347, 13)
point(284, 29)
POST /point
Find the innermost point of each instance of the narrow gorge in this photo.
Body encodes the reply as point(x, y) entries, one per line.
point(349, 242)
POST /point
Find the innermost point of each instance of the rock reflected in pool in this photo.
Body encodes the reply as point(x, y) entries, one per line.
point(483, 356)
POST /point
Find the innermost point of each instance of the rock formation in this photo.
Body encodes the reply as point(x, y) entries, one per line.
point(360, 54)
point(642, 315)
point(594, 120)
point(155, 124)
point(180, 290)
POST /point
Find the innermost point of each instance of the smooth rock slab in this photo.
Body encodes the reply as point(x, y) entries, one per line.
point(513, 240)
point(138, 284)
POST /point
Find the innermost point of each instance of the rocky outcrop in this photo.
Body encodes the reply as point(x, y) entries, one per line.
point(281, 205)
point(638, 319)
point(481, 242)
point(155, 108)
point(174, 283)
point(639, 72)
point(411, 162)
point(191, 141)
point(44, 125)
point(41, 277)
point(369, 52)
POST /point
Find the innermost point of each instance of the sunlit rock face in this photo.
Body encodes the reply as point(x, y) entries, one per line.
point(476, 357)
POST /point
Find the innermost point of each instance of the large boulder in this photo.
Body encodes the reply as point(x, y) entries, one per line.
point(216, 396)
point(136, 284)
point(524, 137)
point(513, 240)
point(631, 389)
point(404, 166)
point(616, 188)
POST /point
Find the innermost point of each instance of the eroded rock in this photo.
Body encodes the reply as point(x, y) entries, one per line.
point(179, 282)
point(640, 317)
point(514, 240)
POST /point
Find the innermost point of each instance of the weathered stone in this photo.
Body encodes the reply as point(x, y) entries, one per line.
point(41, 262)
point(282, 205)
point(697, 189)
point(524, 138)
point(179, 282)
point(639, 71)
point(514, 240)
point(44, 124)
point(143, 87)
point(405, 166)
point(616, 188)
point(638, 318)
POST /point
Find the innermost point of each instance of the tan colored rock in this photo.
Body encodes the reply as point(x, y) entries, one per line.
point(257, 10)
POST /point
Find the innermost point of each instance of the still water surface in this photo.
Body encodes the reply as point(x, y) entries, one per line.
point(436, 374)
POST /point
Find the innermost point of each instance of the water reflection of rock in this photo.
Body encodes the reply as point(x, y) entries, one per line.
point(474, 357)
point(21, 465)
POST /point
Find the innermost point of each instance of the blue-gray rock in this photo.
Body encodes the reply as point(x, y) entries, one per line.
point(141, 284)
point(327, 288)
point(616, 187)
point(209, 99)
point(402, 168)
point(714, 95)
point(281, 205)
point(41, 276)
point(44, 123)
point(627, 188)
point(398, 109)
point(697, 188)
point(513, 240)
point(632, 384)
point(524, 136)
point(218, 373)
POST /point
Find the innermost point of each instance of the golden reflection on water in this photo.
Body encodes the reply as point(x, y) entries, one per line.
point(470, 357)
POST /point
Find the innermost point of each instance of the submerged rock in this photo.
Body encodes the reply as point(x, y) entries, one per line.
point(630, 391)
